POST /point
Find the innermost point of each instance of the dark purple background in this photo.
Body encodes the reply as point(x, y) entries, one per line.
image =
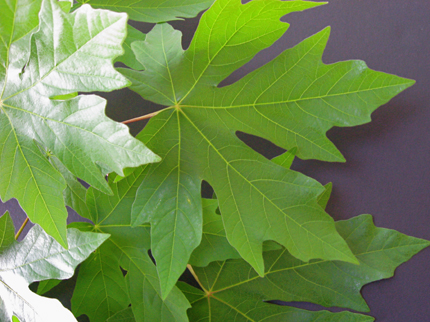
point(387, 169)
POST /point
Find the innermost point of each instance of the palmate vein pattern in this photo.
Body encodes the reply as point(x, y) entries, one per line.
point(102, 291)
point(291, 101)
point(40, 116)
point(232, 291)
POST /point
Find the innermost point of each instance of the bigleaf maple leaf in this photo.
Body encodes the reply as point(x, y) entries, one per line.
point(38, 257)
point(152, 10)
point(291, 101)
point(38, 70)
point(147, 11)
point(231, 290)
point(101, 290)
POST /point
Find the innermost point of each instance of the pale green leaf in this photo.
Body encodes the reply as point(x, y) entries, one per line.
point(153, 10)
point(66, 5)
point(102, 296)
point(259, 200)
point(286, 159)
point(232, 288)
point(44, 259)
point(7, 236)
point(45, 286)
point(324, 197)
point(69, 53)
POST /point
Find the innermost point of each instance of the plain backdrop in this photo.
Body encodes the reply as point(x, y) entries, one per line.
point(387, 169)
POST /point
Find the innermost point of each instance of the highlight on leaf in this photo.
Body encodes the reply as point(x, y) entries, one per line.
point(50, 55)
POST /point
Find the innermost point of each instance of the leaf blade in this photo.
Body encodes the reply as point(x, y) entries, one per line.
point(45, 259)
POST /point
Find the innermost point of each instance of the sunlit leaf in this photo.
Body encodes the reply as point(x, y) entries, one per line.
point(69, 53)
point(39, 257)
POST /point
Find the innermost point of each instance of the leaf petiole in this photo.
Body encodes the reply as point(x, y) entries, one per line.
point(21, 228)
point(140, 118)
point(190, 268)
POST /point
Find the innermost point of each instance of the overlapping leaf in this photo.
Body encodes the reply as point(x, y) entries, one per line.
point(291, 101)
point(233, 291)
point(69, 53)
point(39, 257)
point(123, 316)
point(214, 245)
point(7, 236)
point(153, 10)
point(102, 291)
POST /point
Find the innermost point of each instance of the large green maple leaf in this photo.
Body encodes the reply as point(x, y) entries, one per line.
point(39, 257)
point(291, 101)
point(152, 10)
point(101, 290)
point(38, 71)
point(231, 290)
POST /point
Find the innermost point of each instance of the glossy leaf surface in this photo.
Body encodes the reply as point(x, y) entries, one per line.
point(102, 291)
point(69, 53)
point(39, 257)
point(234, 292)
point(291, 101)
point(153, 10)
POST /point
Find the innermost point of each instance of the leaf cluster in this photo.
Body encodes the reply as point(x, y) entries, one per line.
point(264, 236)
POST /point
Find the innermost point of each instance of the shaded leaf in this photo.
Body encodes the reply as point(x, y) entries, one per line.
point(44, 259)
point(101, 288)
point(232, 288)
point(7, 236)
point(324, 197)
point(214, 245)
point(45, 286)
point(128, 57)
point(123, 316)
point(69, 53)
point(153, 10)
point(74, 193)
point(145, 290)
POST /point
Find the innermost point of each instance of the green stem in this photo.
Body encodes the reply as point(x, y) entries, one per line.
point(21, 228)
